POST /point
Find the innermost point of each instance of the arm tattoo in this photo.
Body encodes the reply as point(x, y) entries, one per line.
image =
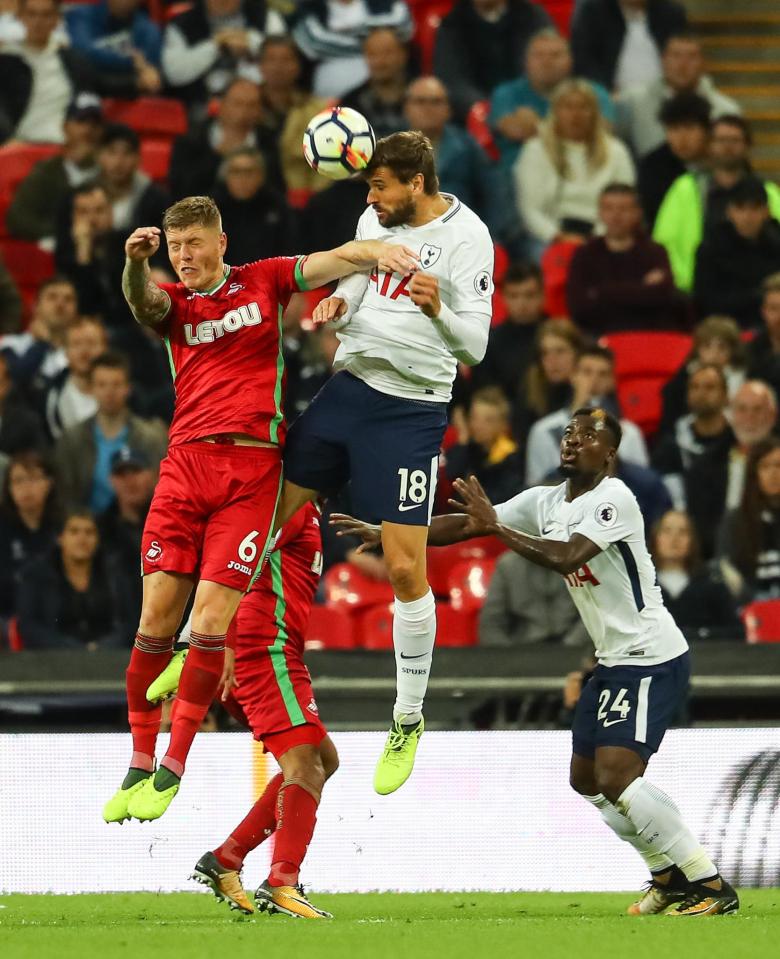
point(148, 303)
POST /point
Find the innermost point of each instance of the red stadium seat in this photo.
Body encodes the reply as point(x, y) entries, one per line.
point(347, 588)
point(560, 12)
point(468, 584)
point(375, 628)
point(455, 627)
point(644, 354)
point(15, 641)
point(17, 161)
point(640, 401)
point(426, 27)
point(477, 125)
point(29, 265)
point(330, 628)
point(156, 158)
point(762, 621)
point(159, 117)
point(298, 198)
point(556, 261)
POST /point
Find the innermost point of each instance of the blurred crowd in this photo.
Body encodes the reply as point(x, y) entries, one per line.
point(616, 180)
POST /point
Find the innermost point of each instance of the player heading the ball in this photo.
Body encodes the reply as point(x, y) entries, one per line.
point(380, 420)
point(210, 519)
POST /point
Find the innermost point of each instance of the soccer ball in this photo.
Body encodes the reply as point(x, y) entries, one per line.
point(338, 142)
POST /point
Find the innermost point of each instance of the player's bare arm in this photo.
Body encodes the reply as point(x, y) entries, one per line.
point(148, 303)
point(563, 557)
point(356, 256)
point(443, 531)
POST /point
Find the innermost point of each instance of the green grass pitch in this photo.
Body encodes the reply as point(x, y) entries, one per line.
point(381, 926)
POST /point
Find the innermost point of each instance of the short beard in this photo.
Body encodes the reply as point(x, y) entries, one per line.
point(401, 216)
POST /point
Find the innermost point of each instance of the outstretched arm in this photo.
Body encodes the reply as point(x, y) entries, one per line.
point(563, 557)
point(148, 303)
point(443, 531)
point(356, 256)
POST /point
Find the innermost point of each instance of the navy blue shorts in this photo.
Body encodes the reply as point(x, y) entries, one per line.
point(388, 447)
point(630, 706)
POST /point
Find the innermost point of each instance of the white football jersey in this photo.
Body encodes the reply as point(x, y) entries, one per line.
point(616, 592)
point(387, 341)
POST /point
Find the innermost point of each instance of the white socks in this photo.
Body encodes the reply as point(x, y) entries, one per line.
point(414, 633)
point(624, 829)
point(658, 822)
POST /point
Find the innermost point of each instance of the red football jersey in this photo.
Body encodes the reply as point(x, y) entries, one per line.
point(226, 353)
point(276, 609)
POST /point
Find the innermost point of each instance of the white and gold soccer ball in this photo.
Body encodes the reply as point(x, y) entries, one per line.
point(338, 142)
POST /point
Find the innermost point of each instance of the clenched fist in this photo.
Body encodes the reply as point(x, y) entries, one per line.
point(142, 243)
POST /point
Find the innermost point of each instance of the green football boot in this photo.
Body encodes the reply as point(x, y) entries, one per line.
point(397, 760)
point(155, 795)
point(166, 684)
point(115, 810)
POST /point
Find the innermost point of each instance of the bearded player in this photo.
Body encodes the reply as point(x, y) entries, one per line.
point(380, 420)
point(590, 530)
point(214, 505)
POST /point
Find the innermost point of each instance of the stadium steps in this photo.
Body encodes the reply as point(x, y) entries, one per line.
point(742, 50)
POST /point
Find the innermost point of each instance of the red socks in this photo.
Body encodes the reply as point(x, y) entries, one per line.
point(296, 816)
point(257, 827)
point(197, 687)
point(290, 813)
point(148, 659)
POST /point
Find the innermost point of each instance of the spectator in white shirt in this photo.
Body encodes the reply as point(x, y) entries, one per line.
point(212, 43)
point(561, 173)
point(638, 109)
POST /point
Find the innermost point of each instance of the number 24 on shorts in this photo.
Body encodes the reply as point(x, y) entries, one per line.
point(617, 712)
point(413, 485)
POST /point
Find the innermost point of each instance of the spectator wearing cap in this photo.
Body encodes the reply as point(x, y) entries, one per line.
point(737, 255)
point(39, 351)
point(381, 97)
point(135, 199)
point(121, 526)
point(698, 200)
point(118, 38)
point(38, 198)
point(254, 217)
point(482, 43)
point(638, 109)
point(84, 452)
point(214, 41)
point(618, 43)
point(517, 106)
point(621, 280)
point(685, 119)
point(40, 76)
point(67, 398)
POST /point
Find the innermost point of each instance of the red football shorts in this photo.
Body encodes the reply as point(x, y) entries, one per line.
point(212, 512)
point(274, 686)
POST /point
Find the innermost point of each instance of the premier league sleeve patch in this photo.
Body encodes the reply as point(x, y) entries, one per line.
point(606, 515)
point(483, 283)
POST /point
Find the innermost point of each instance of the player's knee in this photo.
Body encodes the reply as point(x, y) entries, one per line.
point(157, 621)
point(311, 772)
point(406, 577)
point(329, 758)
point(611, 781)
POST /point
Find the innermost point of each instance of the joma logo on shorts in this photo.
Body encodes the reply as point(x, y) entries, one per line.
point(240, 567)
point(210, 330)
